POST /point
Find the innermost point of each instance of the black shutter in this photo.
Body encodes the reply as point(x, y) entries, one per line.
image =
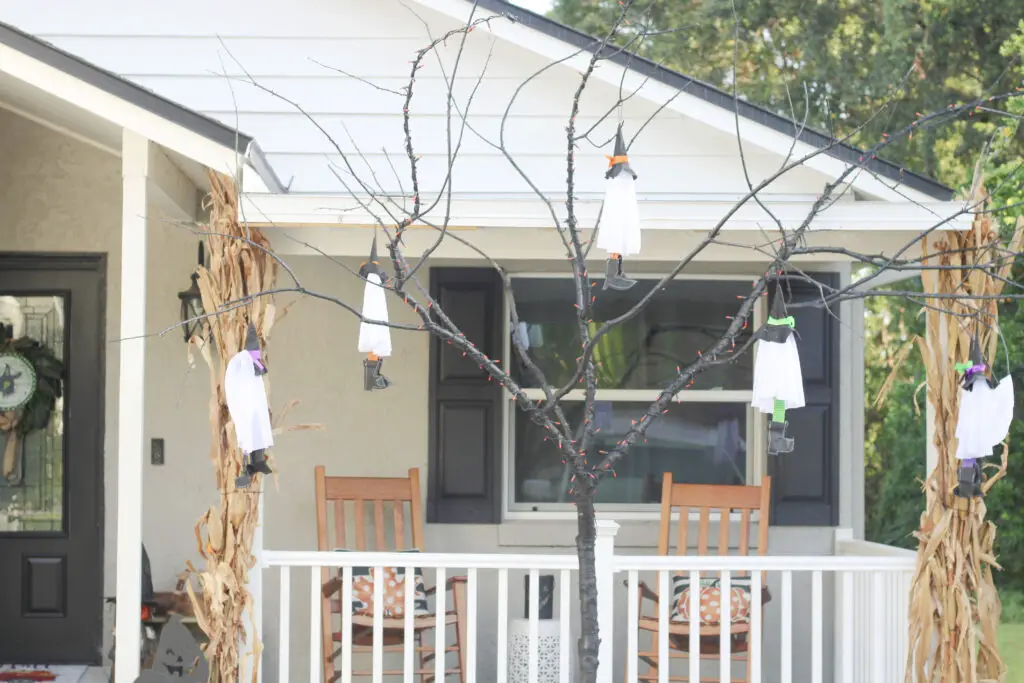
point(465, 408)
point(805, 483)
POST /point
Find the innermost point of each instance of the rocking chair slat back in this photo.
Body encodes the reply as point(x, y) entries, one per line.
point(342, 493)
point(721, 499)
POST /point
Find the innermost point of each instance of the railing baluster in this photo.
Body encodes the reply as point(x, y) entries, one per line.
point(816, 627)
point(471, 586)
point(378, 625)
point(877, 621)
point(664, 599)
point(754, 646)
point(633, 626)
point(440, 628)
point(725, 628)
point(502, 676)
point(564, 624)
point(283, 629)
point(315, 605)
point(408, 638)
point(694, 675)
point(848, 607)
point(787, 626)
point(533, 644)
point(346, 624)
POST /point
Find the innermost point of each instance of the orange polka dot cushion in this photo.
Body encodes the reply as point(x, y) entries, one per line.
point(364, 579)
point(711, 600)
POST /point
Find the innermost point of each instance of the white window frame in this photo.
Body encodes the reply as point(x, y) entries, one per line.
point(756, 426)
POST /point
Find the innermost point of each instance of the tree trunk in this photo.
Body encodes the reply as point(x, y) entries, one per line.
point(585, 539)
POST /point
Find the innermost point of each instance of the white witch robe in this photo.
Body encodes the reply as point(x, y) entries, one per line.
point(375, 339)
point(619, 232)
point(985, 417)
point(246, 397)
point(777, 375)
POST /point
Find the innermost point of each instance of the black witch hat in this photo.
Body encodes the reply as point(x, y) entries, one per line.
point(620, 160)
point(372, 264)
point(976, 373)
point(252, 345)
point(777, 332)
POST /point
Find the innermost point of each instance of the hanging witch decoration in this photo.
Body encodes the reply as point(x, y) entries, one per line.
point(986, 410)
point(31, 382)
point(374, 337)
point(246, 397)
point(778, 381)
point(620, 217)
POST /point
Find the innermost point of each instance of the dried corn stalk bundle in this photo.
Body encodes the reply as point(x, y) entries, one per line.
point(954, 606)
point(238, 268)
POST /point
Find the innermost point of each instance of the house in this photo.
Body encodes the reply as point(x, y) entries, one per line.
point(103, 173)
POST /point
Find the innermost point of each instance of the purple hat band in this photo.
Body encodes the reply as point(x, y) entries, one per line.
point(975, 369)
point(256, 359)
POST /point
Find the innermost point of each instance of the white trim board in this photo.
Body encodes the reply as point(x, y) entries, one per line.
point(682, 212)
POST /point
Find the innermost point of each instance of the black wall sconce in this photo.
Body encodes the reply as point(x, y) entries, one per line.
point(192, 312)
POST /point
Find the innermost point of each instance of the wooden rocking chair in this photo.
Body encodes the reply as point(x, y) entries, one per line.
point(334, 493)
point(705, 498)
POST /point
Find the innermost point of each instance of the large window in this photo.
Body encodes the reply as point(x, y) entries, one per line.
point(708, 436)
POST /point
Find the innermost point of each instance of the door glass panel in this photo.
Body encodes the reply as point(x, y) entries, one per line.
point(31, 414)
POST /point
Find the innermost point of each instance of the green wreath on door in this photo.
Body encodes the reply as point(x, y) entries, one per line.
point(31, 381)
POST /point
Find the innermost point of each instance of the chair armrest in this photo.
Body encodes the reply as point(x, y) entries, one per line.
point(449, 584)
point(331, 586)
point(644, 591)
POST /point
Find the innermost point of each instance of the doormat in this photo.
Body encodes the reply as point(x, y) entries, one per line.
point(56, 674)
point(27, 675)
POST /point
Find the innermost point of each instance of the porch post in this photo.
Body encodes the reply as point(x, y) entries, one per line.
point(130, 411)
point(250, 657)
point(604, 561)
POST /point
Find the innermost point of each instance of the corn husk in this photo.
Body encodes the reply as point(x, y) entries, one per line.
point(954, 606)
point(240, 266)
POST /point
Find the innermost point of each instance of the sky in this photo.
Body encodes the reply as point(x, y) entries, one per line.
point(539, 6)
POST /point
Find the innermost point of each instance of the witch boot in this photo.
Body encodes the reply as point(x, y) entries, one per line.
point(613, 277)
point(970, 479)
point(244, 480)
point(372, 379)
point(778, 442)
point(258, 463)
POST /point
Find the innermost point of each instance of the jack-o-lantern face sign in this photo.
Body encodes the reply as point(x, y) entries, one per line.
point(178, 657)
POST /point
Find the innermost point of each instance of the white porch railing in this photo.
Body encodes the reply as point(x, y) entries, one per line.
point(867, 614)
point(873, 636)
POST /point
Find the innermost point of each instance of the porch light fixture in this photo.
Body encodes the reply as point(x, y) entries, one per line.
point(192, 301)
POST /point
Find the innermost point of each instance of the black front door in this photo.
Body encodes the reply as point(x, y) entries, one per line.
point(51, 458)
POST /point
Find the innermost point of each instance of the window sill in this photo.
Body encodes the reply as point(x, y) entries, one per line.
point(635, 533)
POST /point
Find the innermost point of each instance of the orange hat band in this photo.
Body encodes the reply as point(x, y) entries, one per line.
point(621, 159)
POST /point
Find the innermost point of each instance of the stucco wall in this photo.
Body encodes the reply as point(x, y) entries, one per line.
point(60, 194)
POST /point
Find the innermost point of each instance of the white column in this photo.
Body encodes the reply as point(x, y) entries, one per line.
point(255, 630)
point(932, 453)
point(130, 405)
point(604, 561)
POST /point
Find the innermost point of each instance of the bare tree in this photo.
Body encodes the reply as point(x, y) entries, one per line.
point(780, 249)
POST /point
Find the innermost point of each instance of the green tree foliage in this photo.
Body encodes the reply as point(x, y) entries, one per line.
point(839, 61)
point(895, 442)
